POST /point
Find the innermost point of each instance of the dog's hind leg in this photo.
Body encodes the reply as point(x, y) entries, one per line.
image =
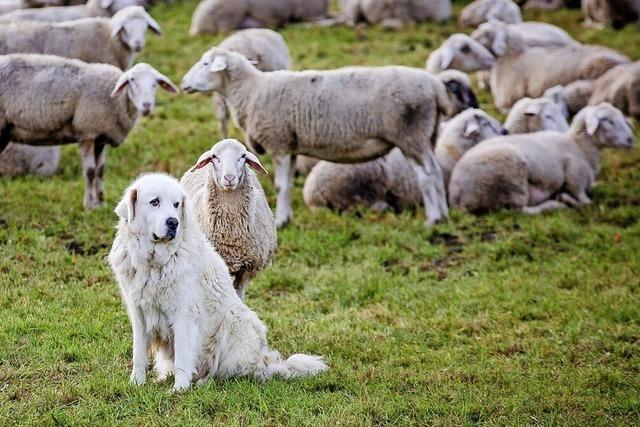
point(163, 362)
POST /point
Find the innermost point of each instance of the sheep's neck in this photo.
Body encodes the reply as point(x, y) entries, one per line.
point(238, 89)
point(588, 146)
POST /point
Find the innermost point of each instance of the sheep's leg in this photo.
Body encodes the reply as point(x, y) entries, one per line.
point(431, 184)
point(568, 199)
point(285, 172)
point(222, 113)
point(4, 135)
point(549, 205)
point(99, 156)
point(241, 283)
point(88, 155)
point(578, 177)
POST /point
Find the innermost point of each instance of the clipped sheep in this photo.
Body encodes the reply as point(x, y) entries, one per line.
point(610, 13)
point(20, 159)
point(114, 41)
point(220, 16)
point(395, 13)
point(345, 115)
point(481, 11)
point(533, 115)
point(232, 210)
point(95, 105)
point(387, 183)
point(539, 171)
point(265, 48)
point(93, 8)
point(460, 52)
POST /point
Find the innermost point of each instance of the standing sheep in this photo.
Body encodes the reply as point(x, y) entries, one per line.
point(219, 16)
point(232, 210)
point(114, 41)
point(387, 183)
point(95, 105)
point(345, 115)
point(20, 159)
point(265, 48)
point(395, 13)
point(460, 52)
point(93, 8)
point(539, 171)
point(533, 115)
point(481, 11)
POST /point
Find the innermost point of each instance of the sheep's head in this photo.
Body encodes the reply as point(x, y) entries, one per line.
point(207, 75)
point(141, 83)
point(537, 115)
point(479, 126)
point(459, 89)
point(229, 159)
point(460, 52)
point(116, 5)
point(493, 36)
point(130, 25)
point(607, 125)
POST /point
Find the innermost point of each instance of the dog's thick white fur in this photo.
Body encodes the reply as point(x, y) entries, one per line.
point(180, 296)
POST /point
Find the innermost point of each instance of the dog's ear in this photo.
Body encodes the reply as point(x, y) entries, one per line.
point(126, 209)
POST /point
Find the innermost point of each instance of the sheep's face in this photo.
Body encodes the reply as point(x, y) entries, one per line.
point(609, 126)
point(229, 159)
point(205, 75)
point(545, 115)
point(492, 35)
point(130, 26)
point(480, 126)
point(141, 83)
point(557, 95)
point(461, 95)
point(460, 52)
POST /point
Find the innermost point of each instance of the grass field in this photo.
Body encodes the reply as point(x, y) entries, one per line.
point(502, 320)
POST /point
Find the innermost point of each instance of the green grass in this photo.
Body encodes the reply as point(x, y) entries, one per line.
point(503, 319)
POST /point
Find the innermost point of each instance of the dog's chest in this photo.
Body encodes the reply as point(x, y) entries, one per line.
point(157, 297)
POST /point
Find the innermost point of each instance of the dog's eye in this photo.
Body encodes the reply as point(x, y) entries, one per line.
point(155, 202)
point(176, 204)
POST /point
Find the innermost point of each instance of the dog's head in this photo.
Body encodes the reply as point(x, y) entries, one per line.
point(154, 208)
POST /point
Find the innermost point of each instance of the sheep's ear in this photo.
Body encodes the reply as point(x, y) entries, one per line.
point(121, 84)
point(153, 24)
point(499, 45)
point(446, 57)
point(471, 128)
point(126, 209)
point(532, 110)
point(166, 84)
point(105, 4)
point(254, 163)
point(219, 64)
point(592, 121)
point(203, 161)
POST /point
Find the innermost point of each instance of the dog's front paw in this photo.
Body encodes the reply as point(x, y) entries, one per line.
point(137, 378)
point(181, 386)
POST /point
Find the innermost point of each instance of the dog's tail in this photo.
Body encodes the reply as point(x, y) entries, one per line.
point(296, 366)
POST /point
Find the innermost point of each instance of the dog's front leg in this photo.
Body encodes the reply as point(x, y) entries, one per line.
point(186, 350)
point(140, 347)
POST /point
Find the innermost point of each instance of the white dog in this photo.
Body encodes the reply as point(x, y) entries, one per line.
point(180, 296)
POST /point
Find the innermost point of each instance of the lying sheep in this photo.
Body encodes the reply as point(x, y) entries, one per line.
point(20, 159)
point(345, 115)
point(219, 16)
point(387, 183)
point(460, 94)
point(395, 13)
point(610, 13)
point(481, 11)
point(533, 115)
point(93, 8)
point(232, 210)
point(460, 52)
point(521, 71)
point(265, 48)
point(7, 6)
point(49, 100)
point(620, 86)
point(539, 171)
point(548, 5)
point(114, 41)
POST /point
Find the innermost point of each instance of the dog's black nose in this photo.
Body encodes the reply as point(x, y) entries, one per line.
point(172, 223)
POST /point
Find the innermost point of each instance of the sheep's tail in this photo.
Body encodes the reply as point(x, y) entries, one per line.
point(296, 366)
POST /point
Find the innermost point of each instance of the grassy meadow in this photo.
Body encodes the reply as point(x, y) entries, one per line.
point(503, 319)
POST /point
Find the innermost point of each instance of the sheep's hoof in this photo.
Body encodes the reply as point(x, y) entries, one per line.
point(281, 223)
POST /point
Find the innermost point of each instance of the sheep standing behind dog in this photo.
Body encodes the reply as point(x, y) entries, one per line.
point(95, 105)
point(345, 115)
point(266, 48)
point(539, 171)
point(232, 210)
point(387, 183)
point(219, 16)
point(93, 8)
point(395, 13)
point(114, 41)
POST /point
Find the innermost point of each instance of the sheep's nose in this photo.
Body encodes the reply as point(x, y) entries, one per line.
point(229, 178)
point(504, 132)
point(172, 223)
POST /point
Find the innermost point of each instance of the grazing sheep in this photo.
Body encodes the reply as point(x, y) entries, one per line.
point(114, 41)
point(7, 6)
point(548, 5)
point(610, 13)
point(345, 115)
point(20, 159)
point(460, 52)
point(481, 11)
point(539, 171)
point(533, 115)
point(232, 210)
point(387, 183)
point(219, 16)
point(265, 48)
point(93, 8)
point(620, 86)
point(49, 100)
point(395, 13)
point(520, 71)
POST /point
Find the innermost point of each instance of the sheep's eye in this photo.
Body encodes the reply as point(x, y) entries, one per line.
point(155, 202)
point(176, 204)
point(465, 48)
point(244, 156)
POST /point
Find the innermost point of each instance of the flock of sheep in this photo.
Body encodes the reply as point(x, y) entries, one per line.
point(385, 137)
